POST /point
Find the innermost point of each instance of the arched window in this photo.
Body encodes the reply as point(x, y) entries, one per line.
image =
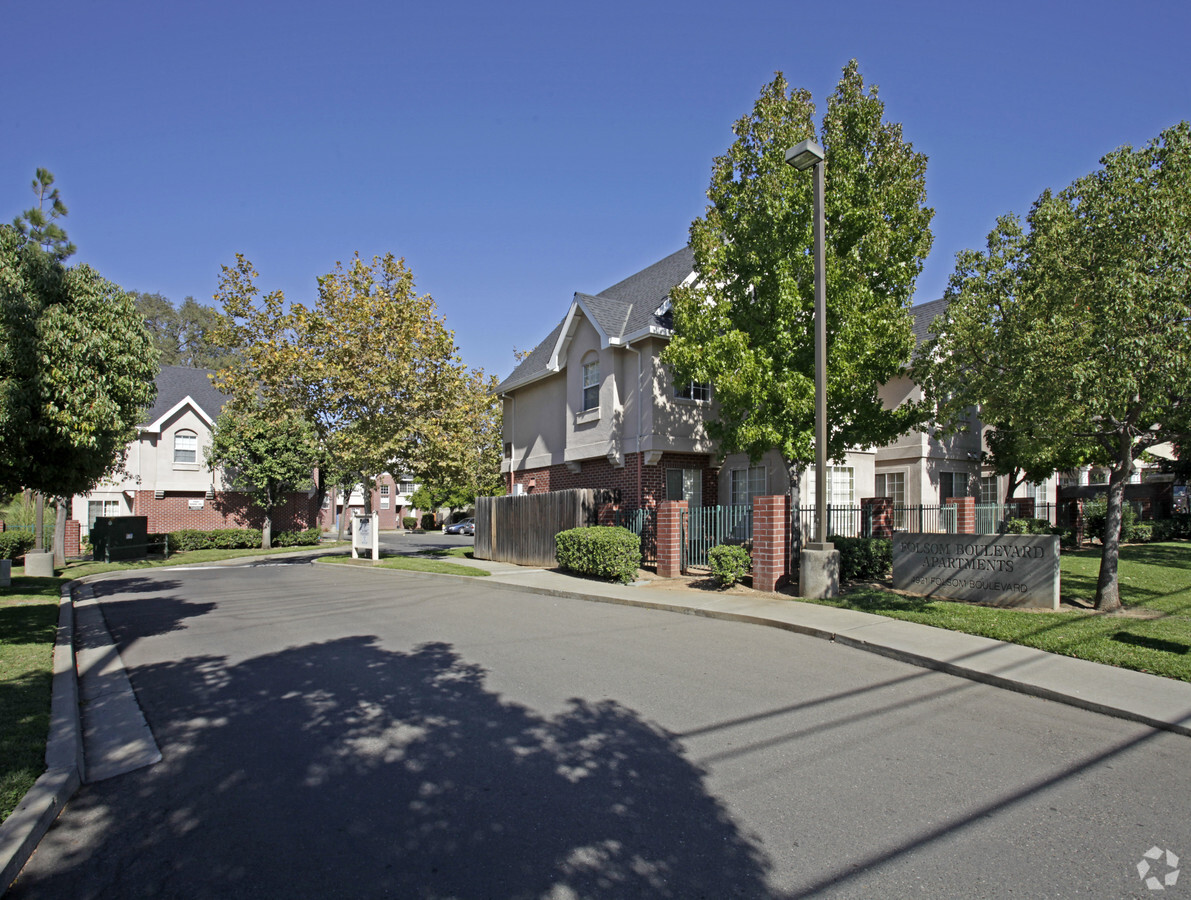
point(185, 447)
point(591, 382)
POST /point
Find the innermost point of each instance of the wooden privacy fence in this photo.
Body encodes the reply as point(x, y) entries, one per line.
point(521, 528)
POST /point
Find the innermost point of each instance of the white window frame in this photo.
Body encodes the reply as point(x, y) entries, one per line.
point(746, 483)
point(691, 481)
point(591, 385)
point(695, 391)
point(105, 509)
point(989, 490)
point(964, 479)
point(185, 436)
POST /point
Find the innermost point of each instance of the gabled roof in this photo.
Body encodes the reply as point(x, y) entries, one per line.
point(636, 307)
point(628, 310)
point(176, 385)
point(924, 314)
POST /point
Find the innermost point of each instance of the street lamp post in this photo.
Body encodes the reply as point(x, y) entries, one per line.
point(819, 563)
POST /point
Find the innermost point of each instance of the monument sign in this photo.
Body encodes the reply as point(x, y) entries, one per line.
point(997, 569)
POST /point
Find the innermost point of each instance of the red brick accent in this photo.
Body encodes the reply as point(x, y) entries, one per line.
point(227, 509)
point(600, 474)
point(73, 546)
point(876, 514)
point(771, 540)
point(965, 514)
point(1022, 507)
point(669, 530)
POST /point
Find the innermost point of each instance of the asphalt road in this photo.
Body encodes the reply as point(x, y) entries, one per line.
point(358, 733)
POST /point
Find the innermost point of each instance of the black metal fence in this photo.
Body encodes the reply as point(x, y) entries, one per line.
point(643, 523)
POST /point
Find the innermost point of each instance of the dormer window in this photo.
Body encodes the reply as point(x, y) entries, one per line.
point(186, 447)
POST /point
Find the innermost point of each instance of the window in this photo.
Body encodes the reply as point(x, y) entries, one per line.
point(746, 484)
point(988, 489)
point(685, 484)
point(1039, 492)
point(893, 486)
point(97, 508)
point(591, 386)
point(407, 487)
point(840, 485)
point(694, 390)
point(952, 484)
point(185, 447)
point(384, 496)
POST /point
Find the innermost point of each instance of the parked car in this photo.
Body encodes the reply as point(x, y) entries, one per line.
point(464, 526)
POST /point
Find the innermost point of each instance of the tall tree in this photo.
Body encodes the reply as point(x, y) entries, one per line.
point(38, 224)
point(265, 455)
point(1100, 323)
point(183, 335)
point(371, 365)
point(972, 360)
point(746, 322)
point(76, 370)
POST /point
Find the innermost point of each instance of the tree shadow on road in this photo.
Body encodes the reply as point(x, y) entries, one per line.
point(345, 769)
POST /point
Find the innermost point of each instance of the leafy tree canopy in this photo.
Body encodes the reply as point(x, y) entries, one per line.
point(1077, 339)
point(183, 335)
point(264, 454)
point(76, 371)
point(38, 224)
point(746, 323)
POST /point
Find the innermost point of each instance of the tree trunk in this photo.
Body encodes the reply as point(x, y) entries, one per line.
point(267, 531)
point(38, 521)
point(367, 496)
point(345, 492)
point(1108, 586)
point(1014, 480)
point(60, 505)
point(794, 473)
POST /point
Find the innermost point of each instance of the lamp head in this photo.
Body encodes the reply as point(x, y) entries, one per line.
point(803, 156)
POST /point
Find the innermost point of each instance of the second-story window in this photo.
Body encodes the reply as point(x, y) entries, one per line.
point(186, 447)
point(693, 390)
point(591, 385)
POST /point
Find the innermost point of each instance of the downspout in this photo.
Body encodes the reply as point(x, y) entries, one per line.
point(512, 435)
point(640, 495)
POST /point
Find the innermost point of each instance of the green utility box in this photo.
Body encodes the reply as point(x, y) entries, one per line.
point(120, 537)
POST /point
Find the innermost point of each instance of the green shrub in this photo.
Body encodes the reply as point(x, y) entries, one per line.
point(863, 557)
point(427, 521)
point(1138, 533)
point(308, 538)
point(1177, 527)
point(729, 563)
point(14, 544)
point(604, 551)
point(409, 523)
point(219, 539)
point(1096, 511)
point(1028, 526)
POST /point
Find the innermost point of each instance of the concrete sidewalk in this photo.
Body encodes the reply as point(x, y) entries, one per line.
point(1149, 699)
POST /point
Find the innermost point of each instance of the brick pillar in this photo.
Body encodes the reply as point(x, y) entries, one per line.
point(73, 548)
point(876, 517)
point(965, 514)
point(669, 529)
point(771, 538)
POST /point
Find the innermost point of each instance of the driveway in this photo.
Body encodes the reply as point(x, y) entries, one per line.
point(332, 732)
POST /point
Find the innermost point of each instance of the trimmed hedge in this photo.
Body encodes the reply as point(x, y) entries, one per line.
point(1028, 526)
point(603, 551)
point(308, 538)
point(427, 521)
point(409, 523)
point(14, 544)
point(219, 539)
point(729, 563)
point(863, 557)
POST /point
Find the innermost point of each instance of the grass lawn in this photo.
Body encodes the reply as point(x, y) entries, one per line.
point(28, 620)
point(411, 564)
point(1152, 635)
point(456, 552)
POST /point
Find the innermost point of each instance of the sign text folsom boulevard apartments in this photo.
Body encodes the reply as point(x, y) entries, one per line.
point(999, 569)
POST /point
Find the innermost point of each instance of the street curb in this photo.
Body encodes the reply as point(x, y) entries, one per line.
point(21, 831)
point(1021, 686)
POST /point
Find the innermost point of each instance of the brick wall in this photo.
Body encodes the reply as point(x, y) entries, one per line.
point(669, 530)
point(227, 509)
point(600, 474)
point(965, 514)
point(876, 517)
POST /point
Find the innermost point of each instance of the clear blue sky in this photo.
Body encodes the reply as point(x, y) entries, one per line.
point(515, 153)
